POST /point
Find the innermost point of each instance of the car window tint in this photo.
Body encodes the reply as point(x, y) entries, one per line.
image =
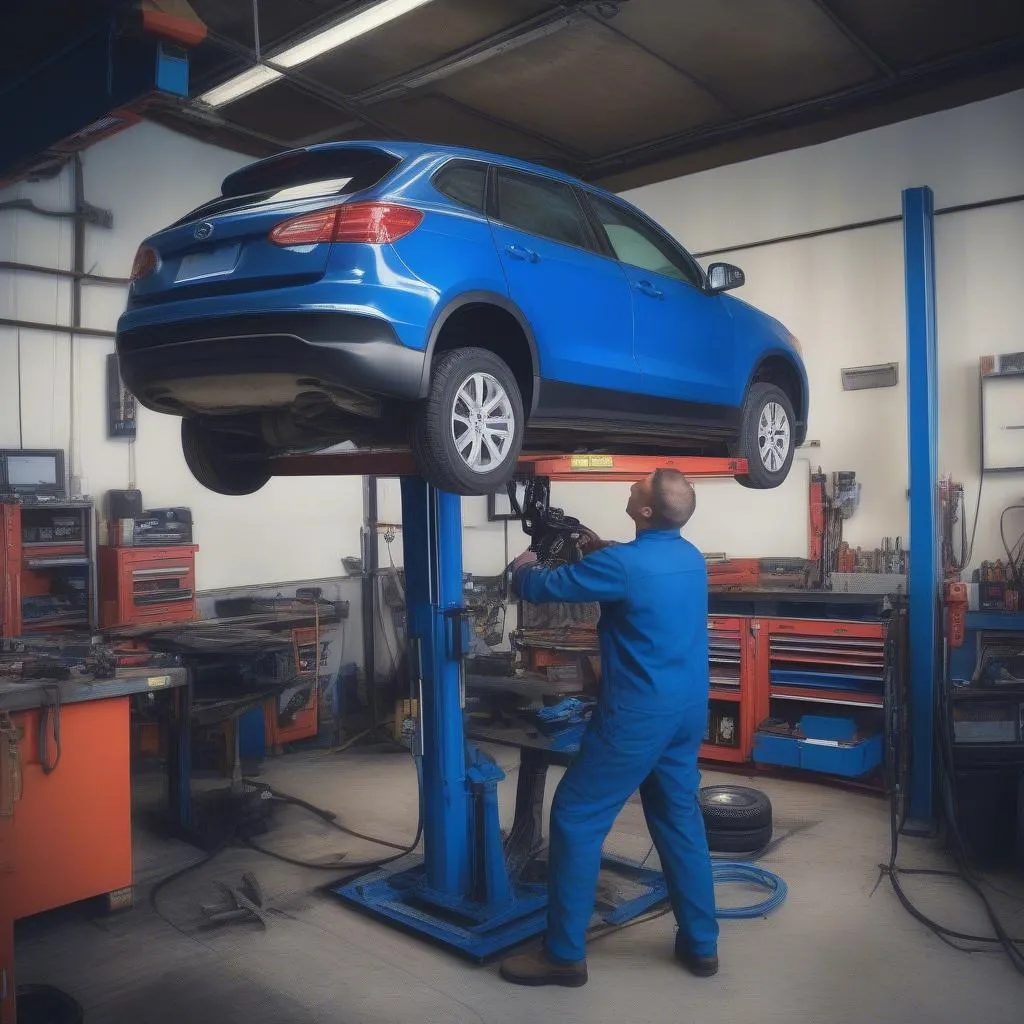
point(463, 182)
point(541, 206)
point(635, 243)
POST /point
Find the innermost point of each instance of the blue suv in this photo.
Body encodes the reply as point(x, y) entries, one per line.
point(467, 304)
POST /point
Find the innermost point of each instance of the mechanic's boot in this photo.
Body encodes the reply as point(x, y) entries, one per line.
point(700, 966)
point(538, 968)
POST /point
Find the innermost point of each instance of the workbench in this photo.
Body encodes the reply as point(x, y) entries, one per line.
point(69, 837)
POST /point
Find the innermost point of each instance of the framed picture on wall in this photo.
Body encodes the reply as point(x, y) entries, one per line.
point(499, 508)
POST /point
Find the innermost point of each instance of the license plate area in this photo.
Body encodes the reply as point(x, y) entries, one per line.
point(198, 266)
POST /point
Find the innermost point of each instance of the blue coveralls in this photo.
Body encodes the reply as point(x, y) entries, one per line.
point(645, 733)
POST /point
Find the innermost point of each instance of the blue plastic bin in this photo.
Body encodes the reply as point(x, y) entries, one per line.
point(772, 749)
point(828, 727)
point(851, 760)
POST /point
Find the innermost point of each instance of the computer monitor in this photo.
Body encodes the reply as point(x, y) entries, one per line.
point(32, 471)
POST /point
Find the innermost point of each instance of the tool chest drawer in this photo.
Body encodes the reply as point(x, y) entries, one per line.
point(147, 585)
point(823, 658)
point(725, 651)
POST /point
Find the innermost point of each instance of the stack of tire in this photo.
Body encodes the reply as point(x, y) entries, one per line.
point(737, 819)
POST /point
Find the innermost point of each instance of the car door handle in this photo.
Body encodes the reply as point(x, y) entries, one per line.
point(649, 289)
point(520, 252)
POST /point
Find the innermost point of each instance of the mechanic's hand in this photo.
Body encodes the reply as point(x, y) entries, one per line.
point(527, 558)
point(589, 541)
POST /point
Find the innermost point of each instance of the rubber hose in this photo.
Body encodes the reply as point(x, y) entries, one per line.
point(735, 872)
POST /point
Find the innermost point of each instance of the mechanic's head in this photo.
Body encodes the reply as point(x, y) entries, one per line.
point(662, 501)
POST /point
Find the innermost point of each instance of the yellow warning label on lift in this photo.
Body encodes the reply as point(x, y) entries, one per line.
point(592, 462)
point(154, 681)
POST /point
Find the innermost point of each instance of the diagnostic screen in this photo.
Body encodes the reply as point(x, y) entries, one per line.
point(31, 471)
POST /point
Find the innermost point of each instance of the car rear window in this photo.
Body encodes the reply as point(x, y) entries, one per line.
point(463, 181)
point(304, 174)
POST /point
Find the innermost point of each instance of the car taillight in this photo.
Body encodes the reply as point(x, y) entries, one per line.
point(307, 229)
point(146, 261)
point(373, 223)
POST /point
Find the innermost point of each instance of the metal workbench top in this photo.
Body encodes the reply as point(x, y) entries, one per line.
point(18, 695)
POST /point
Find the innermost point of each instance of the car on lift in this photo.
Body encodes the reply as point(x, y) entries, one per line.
point(466, 304)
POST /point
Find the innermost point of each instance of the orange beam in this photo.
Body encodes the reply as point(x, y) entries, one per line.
point(626, 468)
point(399, 462)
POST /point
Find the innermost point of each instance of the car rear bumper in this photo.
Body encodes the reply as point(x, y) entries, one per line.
point(345, 351)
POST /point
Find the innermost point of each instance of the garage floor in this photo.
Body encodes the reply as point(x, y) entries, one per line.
point(834, 952)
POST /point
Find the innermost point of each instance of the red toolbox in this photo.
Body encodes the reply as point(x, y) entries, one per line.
point(147, 586)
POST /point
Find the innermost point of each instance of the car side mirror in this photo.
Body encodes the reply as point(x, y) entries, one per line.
point(723, 277)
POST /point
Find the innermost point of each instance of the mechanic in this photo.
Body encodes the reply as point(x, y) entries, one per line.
point(646, 731)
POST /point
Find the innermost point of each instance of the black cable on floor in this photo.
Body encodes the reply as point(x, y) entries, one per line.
point(950, 936)
point(328, 817)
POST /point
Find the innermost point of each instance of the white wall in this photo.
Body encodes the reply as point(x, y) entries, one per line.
point(147, 176)
point(842, 294)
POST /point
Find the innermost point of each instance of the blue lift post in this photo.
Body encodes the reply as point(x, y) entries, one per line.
point(462, 893)
point(922, 434)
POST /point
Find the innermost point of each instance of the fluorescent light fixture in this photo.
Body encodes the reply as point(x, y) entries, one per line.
point(330, 38)
point(241, 85)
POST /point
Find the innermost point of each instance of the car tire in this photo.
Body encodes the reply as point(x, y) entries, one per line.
point(224, 463)
point(739, 840)
point(735, 808)
point(767, 436)
point(451, 443)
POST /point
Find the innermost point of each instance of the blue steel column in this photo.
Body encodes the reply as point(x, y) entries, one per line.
point(432, 545)
point(922, 431)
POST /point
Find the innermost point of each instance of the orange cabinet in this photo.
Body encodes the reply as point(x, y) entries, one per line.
point(765, 666)
point(303, 722)
point(147, 586)
point(71, 836)
point(47, 567)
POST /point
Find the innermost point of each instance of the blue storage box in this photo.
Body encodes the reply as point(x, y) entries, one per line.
point(772, 749)
point(851, 760)
point(828, 727)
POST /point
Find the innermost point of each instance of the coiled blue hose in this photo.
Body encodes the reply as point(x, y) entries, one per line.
point(732, 872)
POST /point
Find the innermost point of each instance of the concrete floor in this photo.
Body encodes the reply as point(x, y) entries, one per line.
point(836, 952)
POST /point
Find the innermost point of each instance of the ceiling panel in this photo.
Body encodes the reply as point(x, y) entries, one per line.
point(440, 120)
point(909, 32)
point(753, 54)
point(285, 112)
point(588, 87)
point(417, 38)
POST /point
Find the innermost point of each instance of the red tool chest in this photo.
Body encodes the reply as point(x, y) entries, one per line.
point(147, 585)
point(47, 567)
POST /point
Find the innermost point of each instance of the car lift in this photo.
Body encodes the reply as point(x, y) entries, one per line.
point(462, 894)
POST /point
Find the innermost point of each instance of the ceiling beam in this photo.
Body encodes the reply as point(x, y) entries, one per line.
point(909, 82)
point(858, 42)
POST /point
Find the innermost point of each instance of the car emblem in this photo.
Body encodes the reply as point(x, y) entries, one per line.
point(203, 230)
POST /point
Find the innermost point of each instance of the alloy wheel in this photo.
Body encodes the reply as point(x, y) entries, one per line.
point(482, 422)
point(773, 436)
